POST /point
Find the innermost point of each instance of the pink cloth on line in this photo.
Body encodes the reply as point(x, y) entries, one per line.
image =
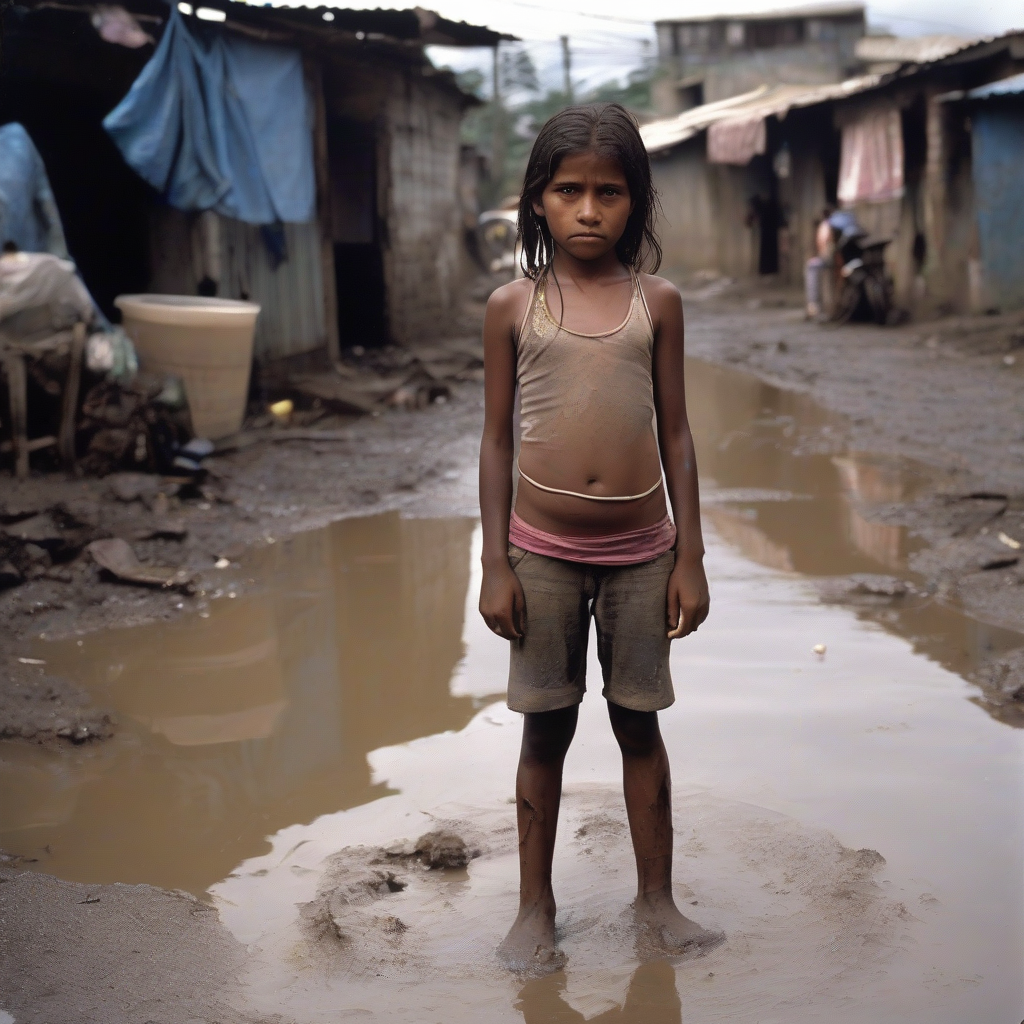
point(629, 548)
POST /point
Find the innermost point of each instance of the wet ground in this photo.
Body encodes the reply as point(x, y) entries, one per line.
point(852, 819)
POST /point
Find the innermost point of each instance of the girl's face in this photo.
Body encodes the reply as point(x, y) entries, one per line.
point(586, 205)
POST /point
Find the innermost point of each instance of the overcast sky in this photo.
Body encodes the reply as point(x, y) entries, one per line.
point(609, 37)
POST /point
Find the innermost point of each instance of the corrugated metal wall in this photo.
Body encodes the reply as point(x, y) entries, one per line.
point(292, 296)
point(998, 160)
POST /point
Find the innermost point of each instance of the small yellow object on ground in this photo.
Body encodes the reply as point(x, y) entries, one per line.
point(282, 410)
point(819, 649)
point(1009, 542)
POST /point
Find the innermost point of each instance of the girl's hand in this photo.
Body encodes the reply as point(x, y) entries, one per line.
point(688, 598)
point(503, 603)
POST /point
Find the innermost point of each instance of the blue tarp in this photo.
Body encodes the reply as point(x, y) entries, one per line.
point(28, 213)
point(215, 122)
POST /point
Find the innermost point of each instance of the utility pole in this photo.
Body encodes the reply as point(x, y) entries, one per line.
point(567, 69)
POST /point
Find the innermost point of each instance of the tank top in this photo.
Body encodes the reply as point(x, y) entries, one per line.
point(584, 391)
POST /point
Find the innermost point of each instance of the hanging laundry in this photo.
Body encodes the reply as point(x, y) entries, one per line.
point(736, 140)
point(28, 212)
point(216, 122)
point(116, 25)
point(871, 159)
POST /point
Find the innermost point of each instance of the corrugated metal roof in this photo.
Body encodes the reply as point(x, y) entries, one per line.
point(414, 24)
point(914, 50)
point(765, 101)
point(1013, 86)
point(838, 10)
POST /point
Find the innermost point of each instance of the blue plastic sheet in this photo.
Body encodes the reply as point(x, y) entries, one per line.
point(28, 213)
point(215, 122)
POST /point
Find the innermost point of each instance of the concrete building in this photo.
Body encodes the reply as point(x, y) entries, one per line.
point(385, 257)
point(711, 58)
point(743, 181)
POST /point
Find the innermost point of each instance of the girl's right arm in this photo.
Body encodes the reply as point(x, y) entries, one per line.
point(502, 603)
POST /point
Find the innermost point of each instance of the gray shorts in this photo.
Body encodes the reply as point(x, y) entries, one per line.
point(548, 666)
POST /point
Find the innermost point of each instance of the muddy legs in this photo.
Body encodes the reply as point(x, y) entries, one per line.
point(530, 944)
point(647, 787)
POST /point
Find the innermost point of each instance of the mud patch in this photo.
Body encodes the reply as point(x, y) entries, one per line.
point(803, 915)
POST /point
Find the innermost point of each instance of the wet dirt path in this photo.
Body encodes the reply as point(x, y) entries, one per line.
point(852, 821)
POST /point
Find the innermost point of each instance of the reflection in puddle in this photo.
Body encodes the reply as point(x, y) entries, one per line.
point(650, 998)
point(257, 717)
point(793, 508)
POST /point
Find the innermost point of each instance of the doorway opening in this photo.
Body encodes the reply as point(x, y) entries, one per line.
point(355, 231)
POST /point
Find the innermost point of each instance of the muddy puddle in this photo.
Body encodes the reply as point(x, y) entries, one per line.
point(852, 821)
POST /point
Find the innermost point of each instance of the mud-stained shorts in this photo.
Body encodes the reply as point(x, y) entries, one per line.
point(548, 666)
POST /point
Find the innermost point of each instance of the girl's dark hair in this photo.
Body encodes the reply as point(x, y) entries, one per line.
point(610, 130)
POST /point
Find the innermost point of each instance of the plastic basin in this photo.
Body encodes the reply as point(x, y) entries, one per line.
point(206, 342)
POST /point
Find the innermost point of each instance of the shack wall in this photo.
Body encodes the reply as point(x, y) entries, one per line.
point(290, 295)
point(424, 255)
point(703, 213)
point(686, 227)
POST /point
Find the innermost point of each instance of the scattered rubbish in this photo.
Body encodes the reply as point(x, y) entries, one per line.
point(1009, 541)
point(222, 563)
point(90, 899)
point(819, 650)
point(198, 448)
point(163, 529)
point(117, 557)
point(998, 562)
point(111, 353)
point(30, 546)
point(32, 661)
point(282, 411)
point(138, 425)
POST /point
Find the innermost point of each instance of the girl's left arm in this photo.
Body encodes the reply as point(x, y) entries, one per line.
point(688, 597)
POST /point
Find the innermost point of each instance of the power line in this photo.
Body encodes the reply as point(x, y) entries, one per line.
point(578, 14)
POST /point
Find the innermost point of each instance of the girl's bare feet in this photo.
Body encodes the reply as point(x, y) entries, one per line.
point(530, 945)
point(664, 929)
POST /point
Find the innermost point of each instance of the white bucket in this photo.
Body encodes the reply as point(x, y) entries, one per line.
point(206, 342)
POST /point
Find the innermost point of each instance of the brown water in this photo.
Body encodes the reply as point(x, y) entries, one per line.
point(347, 700)
point(254, 718)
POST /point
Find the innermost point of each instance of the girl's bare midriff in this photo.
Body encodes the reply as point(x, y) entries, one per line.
point(615, 472)
point(588, 424)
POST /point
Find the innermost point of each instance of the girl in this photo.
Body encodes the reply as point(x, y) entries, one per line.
point(596, 349)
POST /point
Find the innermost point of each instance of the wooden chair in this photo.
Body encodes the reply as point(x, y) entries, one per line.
point(15, 354)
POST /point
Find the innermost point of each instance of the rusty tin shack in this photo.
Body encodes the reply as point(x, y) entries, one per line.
point(744, 181)
point(384, 258)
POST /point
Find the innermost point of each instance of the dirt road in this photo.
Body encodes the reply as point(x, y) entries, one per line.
point(943, 395)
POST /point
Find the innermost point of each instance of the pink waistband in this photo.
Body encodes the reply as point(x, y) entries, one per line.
point(629, 548)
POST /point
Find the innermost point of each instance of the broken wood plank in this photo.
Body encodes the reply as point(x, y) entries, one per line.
point(35, 445)
point(14, 367)
point(69, 404)
point(117, 557)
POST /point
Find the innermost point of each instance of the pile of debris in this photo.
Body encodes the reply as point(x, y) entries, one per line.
point(370, 381)
point(38, 543)
point(72, 537)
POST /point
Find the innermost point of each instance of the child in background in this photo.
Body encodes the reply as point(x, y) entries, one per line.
point(596, 349)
